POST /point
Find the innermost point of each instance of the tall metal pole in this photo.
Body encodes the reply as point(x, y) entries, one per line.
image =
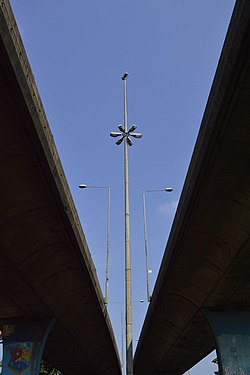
point(146, 245)
point(167, 189)
point(84, 186)
point(122, 340)
point(107, 254)
point(121, 303)
point(128, 292)
point(124, 135)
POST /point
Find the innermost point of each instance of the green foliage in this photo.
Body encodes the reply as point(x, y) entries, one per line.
point(47, 369)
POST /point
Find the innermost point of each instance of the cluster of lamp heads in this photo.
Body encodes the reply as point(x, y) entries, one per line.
point(126, 135)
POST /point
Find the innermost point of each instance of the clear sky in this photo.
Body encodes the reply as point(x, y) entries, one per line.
point(78, 51)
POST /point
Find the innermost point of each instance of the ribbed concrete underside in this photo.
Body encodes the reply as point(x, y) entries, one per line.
point(45, 266)
point(207, 258)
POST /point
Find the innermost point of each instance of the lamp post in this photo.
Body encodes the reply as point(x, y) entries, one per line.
point(83, 186)
point(122, 326)
point(168, 189)
point(124, 135)
point(122, 338)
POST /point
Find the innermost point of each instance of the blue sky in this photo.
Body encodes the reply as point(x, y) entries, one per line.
point(78, 51)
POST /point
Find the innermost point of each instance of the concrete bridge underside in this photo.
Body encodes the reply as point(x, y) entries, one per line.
point(206, 266)
point(45, 267)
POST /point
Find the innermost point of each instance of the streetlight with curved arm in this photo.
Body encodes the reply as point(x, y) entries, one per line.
point(84, 186)
point(168, 190)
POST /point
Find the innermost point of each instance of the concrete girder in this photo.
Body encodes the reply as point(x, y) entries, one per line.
point(46, 267)
point(207, 259)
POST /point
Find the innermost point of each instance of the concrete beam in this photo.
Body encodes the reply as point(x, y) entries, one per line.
point(46, 267)
point(206, 262)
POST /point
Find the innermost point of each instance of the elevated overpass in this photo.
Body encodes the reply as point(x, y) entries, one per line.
point(202, 293)
point(46, 271)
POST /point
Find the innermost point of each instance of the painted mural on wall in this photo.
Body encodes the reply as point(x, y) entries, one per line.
point(18, 357)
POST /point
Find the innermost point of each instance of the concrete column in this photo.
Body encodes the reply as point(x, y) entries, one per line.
point(231, 328)
point(23, 345)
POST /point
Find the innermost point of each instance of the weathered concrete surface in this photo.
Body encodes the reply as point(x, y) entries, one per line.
point(45, 266)
point(207, 258)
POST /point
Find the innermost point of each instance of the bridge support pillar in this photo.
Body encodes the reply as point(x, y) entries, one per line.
point(231, 328)
point(23, 345)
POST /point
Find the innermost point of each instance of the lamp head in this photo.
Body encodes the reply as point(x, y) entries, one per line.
point(136, 135)
point(119, 141)
point(115, 134)
point(132, 129)
point(125, 75)
point(121, 128)
point(130, 143)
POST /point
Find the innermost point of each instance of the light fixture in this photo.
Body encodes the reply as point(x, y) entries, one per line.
point(119, 141)
point(130, 143)
point(149, 271)
point(132, 129)
point(115, 134)
point(121, 128)
point(136, 135)
point(84, 186)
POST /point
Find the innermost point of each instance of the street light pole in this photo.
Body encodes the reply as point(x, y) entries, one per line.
point(168, 189)
point(122, 325)
point(122, 338)
point(107, 253)
point(128, 293)
point(84, 186)
point(146, 244)
point(125, 136)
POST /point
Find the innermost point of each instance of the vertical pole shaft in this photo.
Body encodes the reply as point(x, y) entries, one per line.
point(122, 339)
point(107, 255)
point(146, 243)
point(129, 341)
